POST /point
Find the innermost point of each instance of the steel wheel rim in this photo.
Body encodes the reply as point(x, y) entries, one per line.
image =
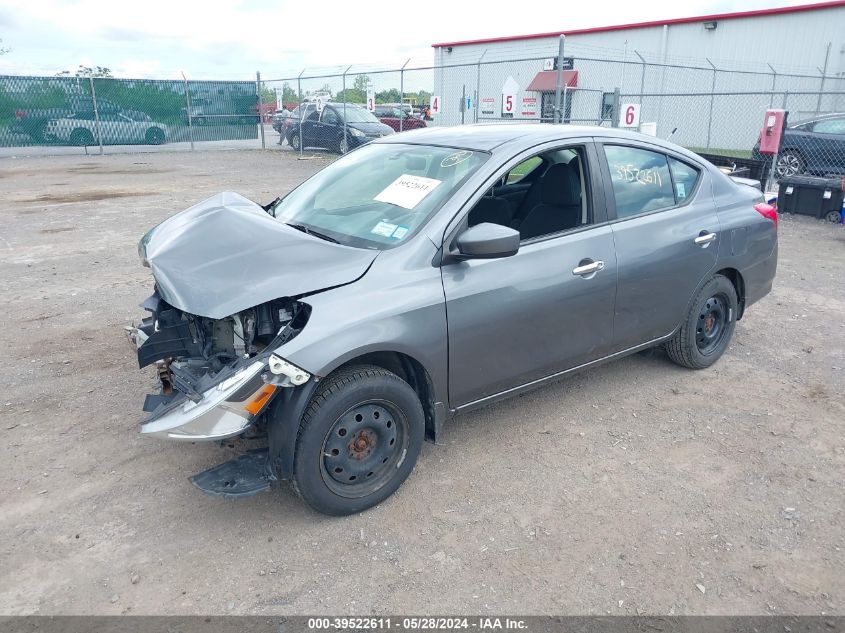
point(364, 448)
point(712, 324)
point(344, 146)
point(788, 165)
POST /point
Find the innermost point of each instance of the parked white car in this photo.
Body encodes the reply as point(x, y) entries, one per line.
point(115, 129)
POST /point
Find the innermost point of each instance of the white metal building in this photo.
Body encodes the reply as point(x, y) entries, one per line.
point(776, 51)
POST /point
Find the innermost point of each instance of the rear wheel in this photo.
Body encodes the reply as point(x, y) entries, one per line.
point(707, 329)
point(154, 136)
point(81, 137)
point(358, 440)
point(833, 216)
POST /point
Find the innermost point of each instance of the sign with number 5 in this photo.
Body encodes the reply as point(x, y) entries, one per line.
point(629, 115)
point(507, 104)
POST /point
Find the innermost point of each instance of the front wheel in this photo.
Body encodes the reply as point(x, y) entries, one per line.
point(358, 440)
point(707, 329)
point(790, 163)
point(294, 141)
point(343, 145)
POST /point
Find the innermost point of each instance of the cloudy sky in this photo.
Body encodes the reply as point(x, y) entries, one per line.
point(233, 39)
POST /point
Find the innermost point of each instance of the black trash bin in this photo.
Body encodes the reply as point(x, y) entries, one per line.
point(809, 195)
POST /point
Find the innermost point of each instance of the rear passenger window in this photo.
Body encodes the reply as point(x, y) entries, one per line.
point(641, 180)
point(684, 177)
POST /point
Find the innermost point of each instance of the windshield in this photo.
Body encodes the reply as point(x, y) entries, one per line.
point(355, 114)
point(378, 195)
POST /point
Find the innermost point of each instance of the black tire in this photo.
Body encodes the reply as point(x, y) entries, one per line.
point(343, 145)
point(81, 137)
point(707, 329)
point(294, 141)
point(790, 163)
point(833, 216)
point(358, 440)
point(154, 136)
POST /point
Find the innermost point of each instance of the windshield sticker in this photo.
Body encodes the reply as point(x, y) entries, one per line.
point(681, 189)
point(400, 232)
point(407, 191)
point(384, 229)
point(454, 159)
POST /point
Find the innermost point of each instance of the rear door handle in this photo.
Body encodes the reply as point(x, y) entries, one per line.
point(588, 268)
point(705, 238)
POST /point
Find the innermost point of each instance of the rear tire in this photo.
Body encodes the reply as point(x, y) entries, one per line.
point(707, 329)
point(833, 216)
point(81, 137)
point(154, 136)
point(358, 440)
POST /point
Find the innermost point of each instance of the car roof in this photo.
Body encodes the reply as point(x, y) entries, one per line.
point(820, 117)
point(487, 137)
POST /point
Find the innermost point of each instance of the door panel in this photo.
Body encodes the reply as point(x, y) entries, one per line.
point(667, 238)
point(660, 266)
point(521, 318)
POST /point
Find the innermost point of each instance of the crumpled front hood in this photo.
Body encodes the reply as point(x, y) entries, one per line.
point(227, 254)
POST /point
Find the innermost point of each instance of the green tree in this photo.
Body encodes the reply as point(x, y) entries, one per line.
point(87, 71)
point(388, 96)
point(289, 95)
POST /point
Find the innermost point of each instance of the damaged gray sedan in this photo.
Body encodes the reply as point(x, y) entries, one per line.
point(428, 274)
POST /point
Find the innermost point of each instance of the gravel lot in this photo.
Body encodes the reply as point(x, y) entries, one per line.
point(637, 487)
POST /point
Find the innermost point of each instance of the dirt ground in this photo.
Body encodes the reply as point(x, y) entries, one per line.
point(637, 487)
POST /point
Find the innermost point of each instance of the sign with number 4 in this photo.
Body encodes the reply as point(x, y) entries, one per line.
point(629, 115)
point(435, 104)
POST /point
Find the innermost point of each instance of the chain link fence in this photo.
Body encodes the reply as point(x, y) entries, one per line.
point(102, 113)
point(710, 107)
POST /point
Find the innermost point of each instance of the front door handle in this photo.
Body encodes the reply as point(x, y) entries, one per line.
point(588, 268)
point(704, 238)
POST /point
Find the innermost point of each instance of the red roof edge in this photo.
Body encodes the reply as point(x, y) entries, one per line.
point(642, 25)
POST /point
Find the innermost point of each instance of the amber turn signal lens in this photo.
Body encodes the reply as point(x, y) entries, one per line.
point(259, 399)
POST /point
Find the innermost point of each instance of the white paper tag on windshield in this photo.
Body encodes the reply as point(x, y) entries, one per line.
point(407, 191)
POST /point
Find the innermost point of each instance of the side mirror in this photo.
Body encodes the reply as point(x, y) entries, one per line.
point(488, 241)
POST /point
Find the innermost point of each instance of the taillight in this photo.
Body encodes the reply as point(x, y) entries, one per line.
point(767, 211)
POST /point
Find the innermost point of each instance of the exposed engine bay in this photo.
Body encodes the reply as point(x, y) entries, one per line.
point(192, 352)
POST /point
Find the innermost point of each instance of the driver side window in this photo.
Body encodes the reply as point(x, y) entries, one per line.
point(330, 116)
point(543, 195)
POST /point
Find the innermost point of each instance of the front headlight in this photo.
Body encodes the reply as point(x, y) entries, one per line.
point(356, 132)
point(224, 410)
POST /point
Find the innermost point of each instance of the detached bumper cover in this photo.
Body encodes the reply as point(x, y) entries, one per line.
point(218, 414)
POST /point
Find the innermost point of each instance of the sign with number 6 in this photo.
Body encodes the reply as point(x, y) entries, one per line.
point(629, 115)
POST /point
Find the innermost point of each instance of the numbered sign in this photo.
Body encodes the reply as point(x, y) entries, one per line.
point(629, 115)
point(319, 104)
point(508, 104)
point(371, 100)
point(435, 104)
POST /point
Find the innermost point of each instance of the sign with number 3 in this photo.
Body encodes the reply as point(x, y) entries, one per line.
point(629, 115)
